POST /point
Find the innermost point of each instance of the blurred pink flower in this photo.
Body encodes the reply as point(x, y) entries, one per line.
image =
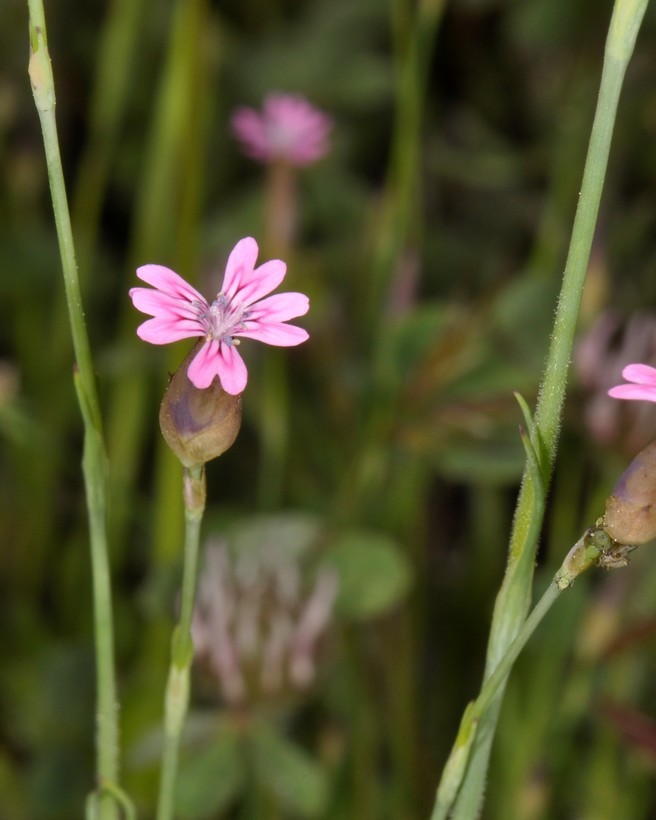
point(260, 620)
point(288, 128)
point(181, 312)
point(642, 385)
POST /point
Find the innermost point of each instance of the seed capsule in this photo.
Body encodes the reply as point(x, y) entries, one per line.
point(198, 425)
point(630, 516)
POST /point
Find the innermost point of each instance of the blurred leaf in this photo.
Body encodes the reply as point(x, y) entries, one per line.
point(415, 332)
point(523, 313)
point(374, 574)
point(549, 24)
point(199, 729)
point(332, 54)
point(490, 377)
point(498, 461)
point(289, 772)
point(12, 789)
point(211, 778)
point(286, 536)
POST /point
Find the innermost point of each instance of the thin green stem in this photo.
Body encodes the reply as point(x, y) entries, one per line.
point(120, 34)
point(414, 27)
point(182, 650)
point(43, 89)
point(455, 767)
point(514, 596)
point(194, 496)
point(94, 459)
point(594, 547)
point(280, 227)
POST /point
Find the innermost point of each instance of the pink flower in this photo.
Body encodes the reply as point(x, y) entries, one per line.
point(288, 128)
point(180, 312)
point(643, 383)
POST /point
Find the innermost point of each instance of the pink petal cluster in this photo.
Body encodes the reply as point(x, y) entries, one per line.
point(642, 385)
point(179, 311)
point(288, 128)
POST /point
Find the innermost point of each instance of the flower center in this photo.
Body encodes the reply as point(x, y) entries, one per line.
point(280, 137)
point(223, 319)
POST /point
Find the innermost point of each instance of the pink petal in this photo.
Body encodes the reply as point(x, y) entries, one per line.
point(240, 266)
point(161, 304)
point(274, 333)
point(248, 126)
point(218, 359)
point(265, 279)
point(168, 281)
point(202, 368)
point(640, 374)
point(232, 370)
point(280, 307)
point(634, 392)
point(162, 331)
point(245, 283)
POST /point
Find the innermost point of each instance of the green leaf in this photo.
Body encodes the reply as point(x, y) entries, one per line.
point(282, 536)
point(291, 774)
point(414, 333)
point(373, 573)
point(498, 461)
point(211, 778)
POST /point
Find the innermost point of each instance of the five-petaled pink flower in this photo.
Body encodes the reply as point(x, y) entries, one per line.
point(642, 385)
point(288, 128)
point(180, 312)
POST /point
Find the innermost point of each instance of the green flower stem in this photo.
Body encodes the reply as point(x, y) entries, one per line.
point(43, 89)
point(514, 596)
point(104, 802)
point(591, 549)
point(280, 228)
point(120, 34)
point(182, 649)
point(414, 29)
point(168, 201)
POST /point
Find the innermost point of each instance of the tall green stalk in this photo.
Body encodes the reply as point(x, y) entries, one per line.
point(120, 34)
point(105, 802)
point(168, 198)
point(595, 547)
point(514, 596)
point(182, 649)
point(414, 28)
point(280, 228)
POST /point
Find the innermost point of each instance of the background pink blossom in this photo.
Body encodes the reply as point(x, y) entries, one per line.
point(287, 128)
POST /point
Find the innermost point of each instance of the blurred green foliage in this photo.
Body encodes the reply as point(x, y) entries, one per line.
point(431, 241)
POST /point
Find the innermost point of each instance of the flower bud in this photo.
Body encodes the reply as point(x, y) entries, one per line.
point(198, 425)
point(630, 516)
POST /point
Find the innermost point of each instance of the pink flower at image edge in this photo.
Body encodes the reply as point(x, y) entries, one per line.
point(179, 311)
point(288, 128)
point(642, 385)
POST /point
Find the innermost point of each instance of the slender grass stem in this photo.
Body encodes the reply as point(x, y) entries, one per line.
point(177, 688)
point(514, 596)
point(104, 802)
point(43, 89)
point(414, 29)
point(280, 228)
point(594, 547)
